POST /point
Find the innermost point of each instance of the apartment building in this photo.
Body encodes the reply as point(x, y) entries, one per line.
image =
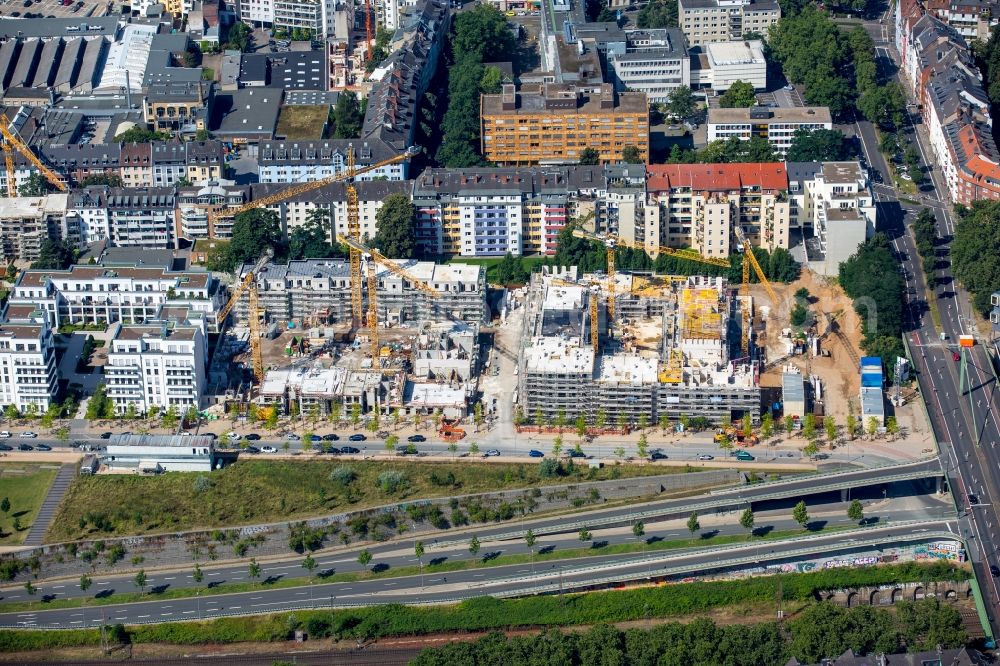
point(162, 365)
point(29, 378)
point(205, 160)
point(832, 204)
point(554, 124)
point(168, 163)
point(699, 206)
point(973, 19)
point(653, 62)
point(940, 71)
point(195, 204)
point(707, 21)
point(80, 160)
point(319, 291)
point(179, 106)
point(303, 161)
point(27, 222)
point(136, 217)
point(777, 125)
point(491, 211)
point(687, 372)
point(135, 294)
point(137, 164)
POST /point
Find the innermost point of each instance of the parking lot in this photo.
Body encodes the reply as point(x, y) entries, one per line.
point(53, 9)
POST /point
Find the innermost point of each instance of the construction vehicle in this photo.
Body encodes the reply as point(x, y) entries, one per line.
point(353, 224)
point(745, 286)
point(249, 286)
point(376, 257)
point(449, 430)
point(610, 242)
point(12, 140)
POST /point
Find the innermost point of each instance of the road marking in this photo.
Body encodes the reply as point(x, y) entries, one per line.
point(76, 621)
point(166, 614)
point(104, 583)
point(187, 612)
point(389, 584)
point(169, 578)
point(58, 587)
point(236, 607)
point(255, 598)
point(142, 616)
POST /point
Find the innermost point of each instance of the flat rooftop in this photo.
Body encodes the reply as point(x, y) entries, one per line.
point(433, 395)
point(736, 53)
point(558, 355)
point(872, 403)
point(792, 386)
point(842, 172)
point(533, 102)
point(627, 369)
point(798, 114)
point(176, 441)
point(560, 297)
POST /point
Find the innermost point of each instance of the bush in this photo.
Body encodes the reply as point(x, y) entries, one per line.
point(343, 475)
point(549, 467)
point(392, 482)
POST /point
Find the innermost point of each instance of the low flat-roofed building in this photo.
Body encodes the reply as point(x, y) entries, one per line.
point(777, 125)
point(160, 453)
point(872, 406)
point(427, 398)
point(793, 394)
point(737, 61)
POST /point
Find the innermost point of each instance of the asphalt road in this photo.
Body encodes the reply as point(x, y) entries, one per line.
point(495, 541)
point(966, 425)
point(508, 580)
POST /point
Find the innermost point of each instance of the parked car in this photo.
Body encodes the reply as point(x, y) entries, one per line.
point(252, 437)
point(705, 456)
point(4, 434)
point(789, 87)
point(955, 356)
point(332, 437)
point(535, 453)
point(25, 447)
point(573, 453)
point(349, 450)
point(252, 449)
point(105, 435)
point(357, 437)
point(491, 453)
point(6, 447)
point(42, 447)
point(29, 434)
point(995, 570)
point(382, 434)
point(416, 438)
point(657, 455)
point(406, 450)
point(333, 450)
point(234, 436)
point(268, 449)
point(315, 438)
point(292, 437)
point(744, 456)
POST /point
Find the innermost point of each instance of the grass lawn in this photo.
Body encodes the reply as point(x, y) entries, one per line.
point(25, 486)
point(492, 262)
point(262, 491)
point(302, 122)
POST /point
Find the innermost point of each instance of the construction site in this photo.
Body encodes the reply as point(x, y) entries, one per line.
point(662, 347)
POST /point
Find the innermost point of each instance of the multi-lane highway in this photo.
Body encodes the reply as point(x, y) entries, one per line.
point(965, 424)
point(504, 580)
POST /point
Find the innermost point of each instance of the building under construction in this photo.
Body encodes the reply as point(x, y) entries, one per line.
point(667, 351)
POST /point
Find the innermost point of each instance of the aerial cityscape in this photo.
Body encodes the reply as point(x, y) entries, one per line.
point(461, 332)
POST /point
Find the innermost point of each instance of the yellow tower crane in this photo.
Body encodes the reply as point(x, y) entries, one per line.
point(611, 242)
point(377, 257)
point(249, 287)
point(750, 260)
point(353, 223)
point(12, 140)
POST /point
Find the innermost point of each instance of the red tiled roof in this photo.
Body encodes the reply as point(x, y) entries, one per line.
point(717, 177)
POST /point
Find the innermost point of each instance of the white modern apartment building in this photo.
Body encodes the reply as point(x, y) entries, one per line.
point(162, 364)
point(707, 21)
point(325, 18)
point(832, 204)
point(28, 375)
point(127, 216)
point(777, 125)
point(126, 294)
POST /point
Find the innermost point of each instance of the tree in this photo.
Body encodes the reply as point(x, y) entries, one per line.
point(5, 505)
point(892, 426)
point(681, 103)
point(35, 185)
point(529, 541)
point(809, 427)
point(642, 445)
point(309, 564)
point(474, 545)
point(253, 230)
point(767, 425)
point(740, 95)
point(85, 583)
point(799, 314)
point(883, 105)
point(589, 157)
point(140, 581)
point(852, 426)
point(820, 145)
point(557, 445)
point(312, 239)
point(482, 34)
point(585, 534)
point(390, 442)
point(141, 135)
point(271, 420)
point(601, 419)
point(54, 255)
point(831, 428)
point(747, 520)
point(872, 426)
point(639, 529)
point(619, 452)
point(693, 524)
point(395, 236)
point(473, 448)
point(856, 511)
point(239, 37)
point(631, 155)
point(355, 414)
point(581, 426)
point(560, 421)
point(253, 569)
point(664, 423)
point(364, 558)
point(170, 418)
point(108, 179)
point(658, 14)
point(197, 575)
point(29, 588)
point(800, 513)
point(810, 449)
point(100, 405)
